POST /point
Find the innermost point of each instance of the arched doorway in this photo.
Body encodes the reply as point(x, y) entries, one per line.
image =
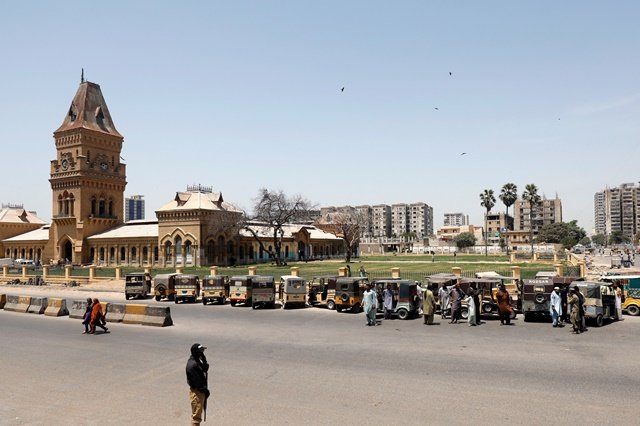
point(67, 251)
point(302, 250)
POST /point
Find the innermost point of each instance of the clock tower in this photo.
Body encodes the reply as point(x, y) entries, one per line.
point(87, 178)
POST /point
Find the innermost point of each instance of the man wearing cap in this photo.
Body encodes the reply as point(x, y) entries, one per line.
point(197, 368)
point(556, 305)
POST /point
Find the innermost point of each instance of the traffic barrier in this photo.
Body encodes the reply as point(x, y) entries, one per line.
point(56, 307)
point(134, 314)
point(17, 303)
point(116, 312)
point(157, 316)
point(3, 300)
point(77, 309)
point(38, 305)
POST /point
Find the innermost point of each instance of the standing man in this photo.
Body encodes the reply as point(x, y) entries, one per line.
point(370, 304)
point(443, 295)
point(387, 302)
point(456, 303)
point(617, 289)
point(428, 306)
point(574, 301)
point(504, 305)
point(475, 294)
point(197, 368)
point(582, 323)
point(556, 306)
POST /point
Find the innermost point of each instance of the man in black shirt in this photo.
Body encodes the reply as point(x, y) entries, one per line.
point(197, 368)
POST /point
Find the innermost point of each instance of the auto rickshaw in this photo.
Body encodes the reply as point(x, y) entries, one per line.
point(187, 288)
point(447, 281)
point(631, 291)
point(264, 292)
point(292, 291)
point(349, 291)
point(322, 291)
point(164, 286)
point(137, 284)
point(511, 284)
point(536, 295)
point(599, 301)
point(241, 289)
point(406, 300)
point(215, 288)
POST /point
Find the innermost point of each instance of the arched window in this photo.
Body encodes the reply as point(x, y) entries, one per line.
point(188, 252)
point(145, 254)
point(134, 253)
point(92, 254)
point(101, 208)
point(155, 254)
point(167, 250)
point(123, 254)
point(286, 252)
point(93, 206)
point(211, 251)
point(110, 208)
point(112, 254)
point(251, 253)
point(101, 254)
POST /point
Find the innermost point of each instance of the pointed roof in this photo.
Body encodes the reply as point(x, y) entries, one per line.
point(198, 200)
point(88, 110)
point(19, 215)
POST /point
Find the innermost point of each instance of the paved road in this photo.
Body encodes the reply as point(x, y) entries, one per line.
point(317, 367)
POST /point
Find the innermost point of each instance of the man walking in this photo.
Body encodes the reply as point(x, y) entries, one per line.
point(428, 306)
point(387, 297)
point(370, 304)
point(456, 303)
point(556, 306)
point(504, 305)
point(443, 295)
point(197, 368)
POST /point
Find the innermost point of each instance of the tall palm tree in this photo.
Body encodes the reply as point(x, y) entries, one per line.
point(487, 200)
point(508, 196)
point(531, 195)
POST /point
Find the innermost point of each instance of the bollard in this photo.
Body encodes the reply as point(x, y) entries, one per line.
point(5, 270)
point(559, 269)
point(67, 271)
point(45, 272)
point(56, 307)
point(395, 273)
point(253, 270)
point(118, 272)
point(583, 269)
point(3, 300)
point(457, 271)
point(515, 272)
point(24, 272)
point(342, 272)
point(38, 305)
point(295, 271)
point(92, 272)
point(179, 269)
point(512, 257)
point(213, 271)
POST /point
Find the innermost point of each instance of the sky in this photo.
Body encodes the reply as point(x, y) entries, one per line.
point(242, 95)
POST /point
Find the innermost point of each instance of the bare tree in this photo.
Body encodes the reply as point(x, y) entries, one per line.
point(272, 210)
point(349, 224)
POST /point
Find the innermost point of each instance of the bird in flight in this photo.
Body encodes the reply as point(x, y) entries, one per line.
point(464, 153)
point(342, 90)
point(436, 108)
point(450, 73)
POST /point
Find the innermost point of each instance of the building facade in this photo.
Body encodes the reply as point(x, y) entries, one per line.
point(134, 208)
point(618, 209)
point(497, 225)
point(456, 219)
point(546, 212)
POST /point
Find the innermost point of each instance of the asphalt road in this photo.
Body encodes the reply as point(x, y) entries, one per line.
point(316, 366)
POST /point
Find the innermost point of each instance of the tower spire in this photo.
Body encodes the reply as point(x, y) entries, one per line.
point(82, 76)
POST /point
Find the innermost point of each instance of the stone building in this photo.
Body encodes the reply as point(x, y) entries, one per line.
point(196, 228)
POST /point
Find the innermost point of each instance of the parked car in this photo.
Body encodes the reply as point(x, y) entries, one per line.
point(137, 284)
point(187, 288)
point(164, 286)
point(215, 288)
point(536, 295)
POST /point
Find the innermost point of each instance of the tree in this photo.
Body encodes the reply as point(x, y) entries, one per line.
point(487, 200)
point(530, 195)
point(598, 239)
point(349, 224)
point(566, 233)
point(585, 241)
point(273, 209)
point(617, 237)
point(464, 240)
point(508, 196)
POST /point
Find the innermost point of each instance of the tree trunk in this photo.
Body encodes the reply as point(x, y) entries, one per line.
point(486, 235)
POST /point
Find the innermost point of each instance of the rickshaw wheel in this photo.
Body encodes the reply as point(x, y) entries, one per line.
point(339, 308)
point(513, 314)
point(356, 308)
point(221, 301)
point(233, 303)
point(599, 321)
point(158, 298)
point(284, 305)
point(403, 314)
point(254, 306)
point(331, 305)
point(633, 310)
point(464, 313)
point(204, 301)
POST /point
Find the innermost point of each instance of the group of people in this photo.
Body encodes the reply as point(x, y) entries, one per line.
point(93, 317)
point(575, 306)
point(451, 299)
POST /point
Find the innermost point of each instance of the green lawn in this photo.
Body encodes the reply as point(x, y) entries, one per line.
point(411, 266)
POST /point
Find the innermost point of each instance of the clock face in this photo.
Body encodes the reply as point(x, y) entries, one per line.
point(104, 165)
point(65, 164)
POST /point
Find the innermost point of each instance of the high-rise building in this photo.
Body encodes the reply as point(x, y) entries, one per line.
point(618, 209)
point(547, 212)
point(134, 208)
point(456, 219)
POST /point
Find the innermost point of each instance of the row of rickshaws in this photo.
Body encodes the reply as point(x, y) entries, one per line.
point(529, 297)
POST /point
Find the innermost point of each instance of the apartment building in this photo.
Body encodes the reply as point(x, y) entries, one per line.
point(456, 219)
point(134, 208)
point(547, 212)
point(618, 209)
point(497, 224)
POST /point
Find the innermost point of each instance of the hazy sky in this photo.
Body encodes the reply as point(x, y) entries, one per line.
point(241, 95)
